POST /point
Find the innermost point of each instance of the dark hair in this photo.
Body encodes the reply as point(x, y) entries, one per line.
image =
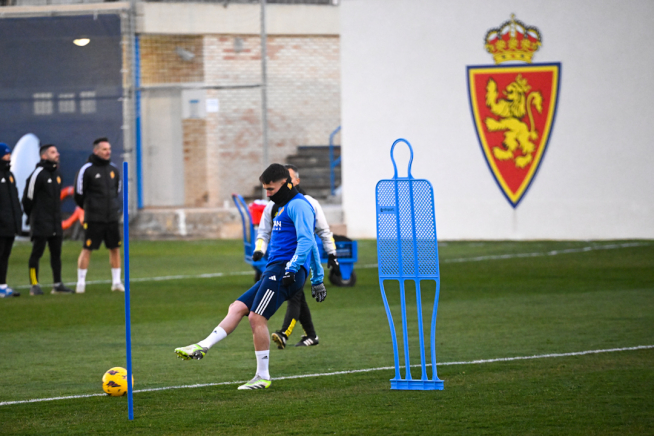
point(44, 148)
point(99, 140)
point(274, 173)
point(294, 168)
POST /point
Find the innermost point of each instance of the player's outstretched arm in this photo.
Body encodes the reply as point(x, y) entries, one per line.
point(317, 272)
point(301, 213)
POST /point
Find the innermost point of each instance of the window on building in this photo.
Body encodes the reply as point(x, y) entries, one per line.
point(43, 103)
point(66, 103)
point(87, 103)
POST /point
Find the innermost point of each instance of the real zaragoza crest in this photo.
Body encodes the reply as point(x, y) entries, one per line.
point(513, 106)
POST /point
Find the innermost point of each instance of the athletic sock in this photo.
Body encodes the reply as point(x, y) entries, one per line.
point(263, 358)
point(34, 276)
point(81, 276)
point(115, 276)
point(217, 335)
point(289, 330)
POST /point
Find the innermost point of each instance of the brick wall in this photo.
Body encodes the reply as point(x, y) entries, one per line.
point(303, 104)
point(195, 163)
point(162, 63)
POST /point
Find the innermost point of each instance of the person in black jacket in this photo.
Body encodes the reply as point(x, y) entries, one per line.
point(10, 217)
point(42, 205)
point(97, 191)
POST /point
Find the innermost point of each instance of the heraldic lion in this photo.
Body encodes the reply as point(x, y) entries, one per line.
point(511, 111)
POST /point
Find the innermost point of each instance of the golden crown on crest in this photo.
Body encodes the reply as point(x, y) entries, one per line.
point(513, 41)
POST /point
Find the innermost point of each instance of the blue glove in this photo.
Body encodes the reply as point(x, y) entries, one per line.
point(289, 278)
point(319, 292)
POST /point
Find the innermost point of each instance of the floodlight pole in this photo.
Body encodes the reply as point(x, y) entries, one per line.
point(264, 86)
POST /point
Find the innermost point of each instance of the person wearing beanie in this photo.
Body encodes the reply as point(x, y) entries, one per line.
point(10, 217)
point(97, 191)
point(42, 205)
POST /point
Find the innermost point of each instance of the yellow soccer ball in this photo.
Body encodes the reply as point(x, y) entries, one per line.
point(114, 382)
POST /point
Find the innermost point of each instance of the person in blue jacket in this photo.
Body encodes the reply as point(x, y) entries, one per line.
point(292, 252)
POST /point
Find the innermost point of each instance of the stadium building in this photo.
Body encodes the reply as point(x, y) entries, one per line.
point(177, 87)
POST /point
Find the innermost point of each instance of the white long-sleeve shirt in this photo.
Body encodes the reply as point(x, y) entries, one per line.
point(322, 227)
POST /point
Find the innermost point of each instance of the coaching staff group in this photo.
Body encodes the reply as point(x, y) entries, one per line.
point(97, 191)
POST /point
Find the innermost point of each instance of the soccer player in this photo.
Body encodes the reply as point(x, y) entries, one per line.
point(289, 257)
point(297, 308)
point(42, 204)
point(97, 191)
point(10, 217)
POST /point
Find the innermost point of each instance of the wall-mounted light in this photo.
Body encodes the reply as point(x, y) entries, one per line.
point(81, 42)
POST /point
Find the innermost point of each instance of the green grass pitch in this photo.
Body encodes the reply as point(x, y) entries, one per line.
point(498, 300)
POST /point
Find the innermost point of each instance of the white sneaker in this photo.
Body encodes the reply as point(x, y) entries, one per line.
point(256, 383)
point(118, 287)
point(189, 352)
point(80, 288)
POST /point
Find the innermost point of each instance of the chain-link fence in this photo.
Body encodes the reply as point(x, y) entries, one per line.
point(66, 78)
point(202, 97)
point(189, 93)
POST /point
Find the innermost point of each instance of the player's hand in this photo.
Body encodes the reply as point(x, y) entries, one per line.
point(257, 255)
point(319, 292)
point(289, 278)
point(332, 263)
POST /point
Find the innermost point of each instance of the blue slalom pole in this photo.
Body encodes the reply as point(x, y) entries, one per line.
point(128, 322)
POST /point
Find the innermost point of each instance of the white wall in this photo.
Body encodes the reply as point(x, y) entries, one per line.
point(404, 75)
point(240, 19)
point(163, 153)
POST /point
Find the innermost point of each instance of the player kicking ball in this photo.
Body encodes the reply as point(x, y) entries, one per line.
point(290, 254)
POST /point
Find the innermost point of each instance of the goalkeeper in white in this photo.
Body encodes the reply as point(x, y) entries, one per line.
point(297, 307)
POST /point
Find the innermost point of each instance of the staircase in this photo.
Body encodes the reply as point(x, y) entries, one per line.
point(312, 163)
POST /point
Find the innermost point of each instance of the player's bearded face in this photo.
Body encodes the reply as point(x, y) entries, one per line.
point(103, 150)
point(51, 154)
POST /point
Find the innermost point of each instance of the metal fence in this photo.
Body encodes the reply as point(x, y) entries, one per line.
point(190, 105)
point(66, 77)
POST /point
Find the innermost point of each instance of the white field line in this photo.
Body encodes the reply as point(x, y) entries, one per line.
point(354, 371)
point(536, 254)
point(374, 265)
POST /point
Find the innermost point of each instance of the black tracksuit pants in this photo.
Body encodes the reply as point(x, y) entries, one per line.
point(298, 310)
point(6, 243)
point(38, 248)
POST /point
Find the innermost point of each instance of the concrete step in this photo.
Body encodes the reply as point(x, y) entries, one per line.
point(308, 161)
point(202, 223)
